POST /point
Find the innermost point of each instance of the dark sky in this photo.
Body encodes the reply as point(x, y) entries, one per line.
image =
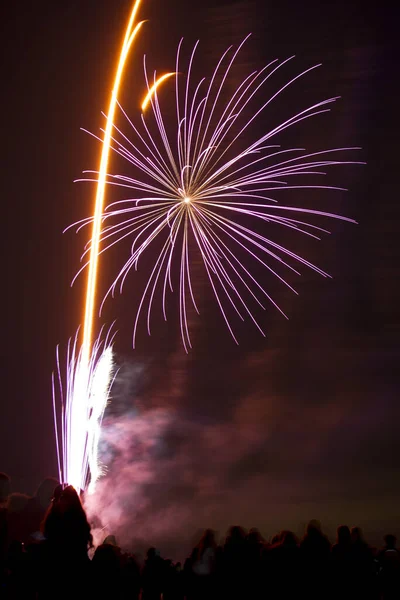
point(301, 424)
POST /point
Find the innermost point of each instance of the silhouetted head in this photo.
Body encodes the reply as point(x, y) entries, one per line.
point(254, 536)
point(390, 540)
point(314, 527)
point(17, 502)
point(356, 534)
point(288, 538)
point(343, 535)
point(65, 522)
point(236, 535)
point(45, 492)
point(151, 553)
point(110, 539)
point(5, 487)
point(106, 558)
point(69, 500)
point(207, 540)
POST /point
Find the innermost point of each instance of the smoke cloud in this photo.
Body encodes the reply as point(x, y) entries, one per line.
point(267, 456)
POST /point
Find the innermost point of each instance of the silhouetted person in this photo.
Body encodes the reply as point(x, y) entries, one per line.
point(342, 573)
point(283, 566)
point(130, 573)
point(114, 574)
point(15, 558)
point(255, 545)
point(363, 566)
point(63, 555)
point(172, 583)
point(315, 553)
point(66, 526)
point(203, 567)
point(106, 572)
point(254, 552)
point(110, 539)
point(152, 576)
point(178, 592)
point(389, 561)
point(234, 564)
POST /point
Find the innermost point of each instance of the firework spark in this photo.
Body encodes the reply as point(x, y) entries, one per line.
point(79, 402)
point(209, 182)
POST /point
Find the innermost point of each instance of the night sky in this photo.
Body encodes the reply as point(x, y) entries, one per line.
point(303, 424)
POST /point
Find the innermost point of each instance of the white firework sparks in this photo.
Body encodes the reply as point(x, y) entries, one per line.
point(78, 406)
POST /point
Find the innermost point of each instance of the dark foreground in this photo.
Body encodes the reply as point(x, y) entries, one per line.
point(45, 543)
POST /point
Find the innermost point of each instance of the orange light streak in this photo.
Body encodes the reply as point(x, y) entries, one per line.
point(153, 89)
point(130, 34)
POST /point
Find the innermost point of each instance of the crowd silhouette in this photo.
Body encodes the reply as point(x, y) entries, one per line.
point(46, 540)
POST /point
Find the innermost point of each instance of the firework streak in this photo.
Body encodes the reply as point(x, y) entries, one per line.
point(78, 407)
point(89, 371)
point(208, 182)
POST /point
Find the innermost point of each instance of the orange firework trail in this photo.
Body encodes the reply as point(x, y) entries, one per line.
point(89, 371)
point(79, 403)
point(130, 34)
point(153, 89)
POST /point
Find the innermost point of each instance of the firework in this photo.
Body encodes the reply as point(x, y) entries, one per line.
point(204, 183)
point(79, 401)
point(130, 35)
point(89, 371)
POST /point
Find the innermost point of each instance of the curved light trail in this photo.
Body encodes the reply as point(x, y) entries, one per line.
point(153, 89)
point(89, 372)
point(130, 35)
